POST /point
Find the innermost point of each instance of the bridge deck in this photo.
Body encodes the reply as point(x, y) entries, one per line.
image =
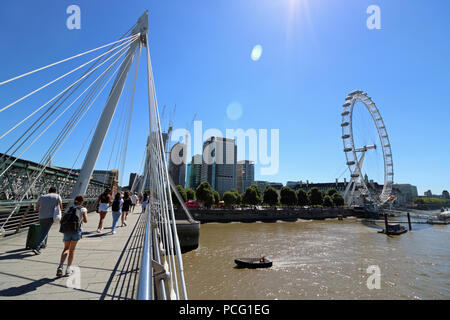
point(108, 264)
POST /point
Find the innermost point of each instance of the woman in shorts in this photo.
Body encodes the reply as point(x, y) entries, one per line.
point(127, 203)
point(103, 202)
point(71, 238)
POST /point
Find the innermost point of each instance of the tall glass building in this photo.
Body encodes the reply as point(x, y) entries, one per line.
point(219, 163)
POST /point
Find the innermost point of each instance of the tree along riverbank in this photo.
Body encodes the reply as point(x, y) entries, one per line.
point(272, 215)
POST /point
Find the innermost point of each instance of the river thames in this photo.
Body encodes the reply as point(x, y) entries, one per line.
point(319, 260)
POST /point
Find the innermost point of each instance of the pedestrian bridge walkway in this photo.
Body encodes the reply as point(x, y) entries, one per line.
point(107, 264)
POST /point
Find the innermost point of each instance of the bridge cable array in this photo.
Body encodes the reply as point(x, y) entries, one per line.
point(71, 124)
point(166, 266)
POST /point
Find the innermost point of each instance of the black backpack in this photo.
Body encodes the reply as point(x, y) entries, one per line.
point(71, 221)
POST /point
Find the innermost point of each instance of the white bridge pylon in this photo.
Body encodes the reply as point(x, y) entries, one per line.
point(162, 275)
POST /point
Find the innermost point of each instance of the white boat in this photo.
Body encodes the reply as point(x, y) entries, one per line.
point(441, 218)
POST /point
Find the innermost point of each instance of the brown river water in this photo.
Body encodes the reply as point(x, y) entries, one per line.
point(319, 260)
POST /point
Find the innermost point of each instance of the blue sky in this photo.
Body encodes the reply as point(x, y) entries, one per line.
point(314, 54)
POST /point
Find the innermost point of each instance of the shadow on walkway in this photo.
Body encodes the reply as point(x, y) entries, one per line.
point(122, 284)
point(16, 254)
point(26, 288)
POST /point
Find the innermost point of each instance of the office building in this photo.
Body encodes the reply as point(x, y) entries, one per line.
point(219, 163)
point(245, 175)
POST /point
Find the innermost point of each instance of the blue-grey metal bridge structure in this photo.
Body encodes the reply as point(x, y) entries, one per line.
point(161, 274)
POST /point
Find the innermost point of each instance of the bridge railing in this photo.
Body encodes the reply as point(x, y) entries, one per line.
point(26, 214)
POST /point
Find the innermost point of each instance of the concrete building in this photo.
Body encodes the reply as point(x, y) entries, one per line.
point(245, 175)
point(445, 194)
point(263, 184)
point(110, 177)
point(132, 179)
point(194, 172)
point(407, 193)
point(177, 164)
point(324, 186)
point(428, 194)
point(219, 163)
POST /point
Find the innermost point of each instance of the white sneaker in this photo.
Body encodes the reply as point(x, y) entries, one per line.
point(69, 271)
point(98, 230)
point(113, 232)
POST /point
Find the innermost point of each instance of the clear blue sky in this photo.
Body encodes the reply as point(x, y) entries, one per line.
point(314, 54)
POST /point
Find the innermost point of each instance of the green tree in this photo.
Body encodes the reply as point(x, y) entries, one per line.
point(251, 196)
point(190, 194)
point(216, 197)
point(258, 191)
point(338, 200)
point(315, 197)
point(205, 194)
point(331, 192)
point(302, 198)
point(288, 196)
point(327, 202)
point(230, 198)
point(270, 196)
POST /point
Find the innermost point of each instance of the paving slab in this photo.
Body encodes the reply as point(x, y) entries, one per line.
point(106, 265)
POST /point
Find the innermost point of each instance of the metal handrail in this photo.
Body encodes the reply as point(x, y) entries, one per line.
point(145, 285)
point(25, 215)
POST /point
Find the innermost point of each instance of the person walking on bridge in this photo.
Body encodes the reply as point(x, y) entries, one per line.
point(127, 203)
point(103, 202)
point(134, 200)
point(47, 204)
point(145, 201)
point(116, 211)
point(71, 228)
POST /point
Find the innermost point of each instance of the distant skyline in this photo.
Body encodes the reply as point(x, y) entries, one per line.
point(255, 64)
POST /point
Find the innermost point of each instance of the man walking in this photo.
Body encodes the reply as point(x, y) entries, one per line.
point(134, 199)
point(46, 206)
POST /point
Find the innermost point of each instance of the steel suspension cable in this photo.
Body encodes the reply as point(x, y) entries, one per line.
point(65, 96)
point(34, 112)
point(64, 75)
point(61, 61)
point(42, 170)
point(166, 189)
point(51, 124)
point(131, 112)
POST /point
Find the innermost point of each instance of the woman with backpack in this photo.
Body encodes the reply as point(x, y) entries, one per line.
point(127, 203)
point(116, 210)
point(71, 221)
point(103, 203)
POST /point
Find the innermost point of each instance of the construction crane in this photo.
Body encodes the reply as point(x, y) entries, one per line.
point(166, 137)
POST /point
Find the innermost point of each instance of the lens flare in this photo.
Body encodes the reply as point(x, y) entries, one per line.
point(234, 111)
point(256, 52)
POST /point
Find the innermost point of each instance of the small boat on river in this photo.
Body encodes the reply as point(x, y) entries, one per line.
point(441, 218)
point(394, 229)
point(253, 263)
